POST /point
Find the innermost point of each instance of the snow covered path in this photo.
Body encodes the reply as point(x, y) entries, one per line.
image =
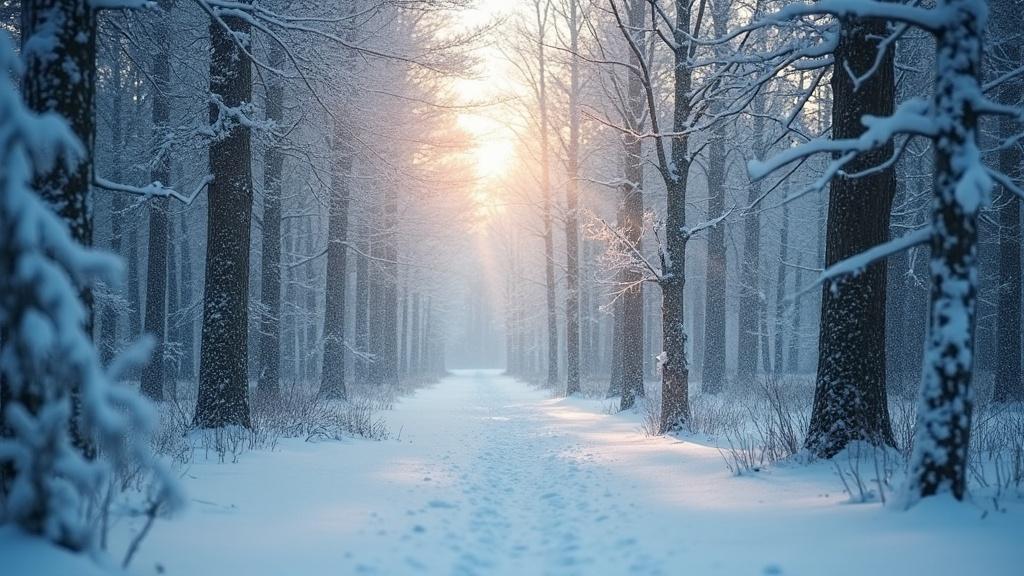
point(492, 477)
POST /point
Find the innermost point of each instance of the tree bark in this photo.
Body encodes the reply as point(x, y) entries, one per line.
point(632, 339)
point(572, 200)
point(713, 371)
point(223, 386)
point(938, 463)
point(153, 374)
point(750, 290)
point(1009, 387)
point(269, 381)
point(332, 382)
point(850, 395)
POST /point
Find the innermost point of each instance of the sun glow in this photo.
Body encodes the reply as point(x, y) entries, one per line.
point(492, 142)
point(492, 148)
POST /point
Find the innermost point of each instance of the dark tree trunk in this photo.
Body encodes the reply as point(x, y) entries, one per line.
point(572, 200)
point(631, 221)
point(60, 77)
point(549, 234)
point(793, 360)
point(332, 382)
point(850, 395)
point(403, 336)
point(615, 353)
point(362, 305)
point(269, 381)
point(183, 319)
point(311, 343)
point(118, 204)
point(223, 387)
point(675, 373)
point(390, 288)
point(780, 294)
point(713, 370)
point(415, 367)
point(750, 290)
point(376, 317)
point(1009, 387)
point(153, 374)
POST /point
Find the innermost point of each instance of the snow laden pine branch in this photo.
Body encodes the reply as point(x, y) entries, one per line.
point(56, 458)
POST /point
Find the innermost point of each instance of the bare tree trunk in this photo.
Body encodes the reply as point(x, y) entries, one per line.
point(153, 374)
point(713, 371)
point(362, 305)
point(546, 200)
point(631, 342)
point(183, 318)
point(572, 199)
point(750, 289)
point(269, 381)
point(675, 373)
point(850, 396)
point(60, 77)
point(332, 381)
point(1009, 387)
point(118, 204)
point(780, 294)
point(390, 288)
point(415, 366)
point(938, 463)
point(223, 386)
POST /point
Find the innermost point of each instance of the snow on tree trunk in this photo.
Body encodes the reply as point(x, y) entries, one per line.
point(850, 400)
point(713, 370)
point(332, 382)
point(1009, 386)
point(675, 375)
point(750, 290)
point(155, 323)
point(269, 381)
point(572, 199)
point(362, 304)
point(632, 338)
point(223, 382)
point(938, 463)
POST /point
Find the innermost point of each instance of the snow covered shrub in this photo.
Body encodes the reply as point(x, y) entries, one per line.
point(867, 471)
point(996, 462)
point(650, 413)
point(780, 417)
point(715, 414)
point(54, 385)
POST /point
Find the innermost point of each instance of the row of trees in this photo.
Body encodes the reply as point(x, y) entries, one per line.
point(801, 122)
point(272, 173)
point(302, 189)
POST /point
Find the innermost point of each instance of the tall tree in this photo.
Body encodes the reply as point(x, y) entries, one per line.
point(632, 297)
point(332, 382)
point(751, 299)
point(572, 201)
point(269, 381)
point(850, 394)
point(1009, 386)
point(223, 387)
point(713, 369)
point(938, 463)
point(153, 375)
point(542, 9)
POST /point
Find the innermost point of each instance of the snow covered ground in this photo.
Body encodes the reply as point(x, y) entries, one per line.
point(489, 476)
